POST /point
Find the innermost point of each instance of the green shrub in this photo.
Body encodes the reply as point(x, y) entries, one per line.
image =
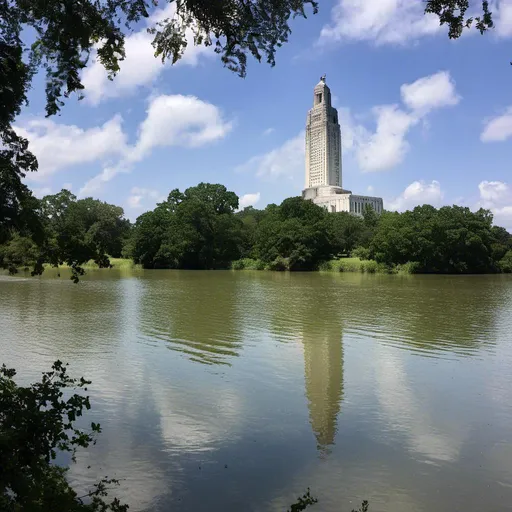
point(411, 267)
point(326, 266)
point(369, 266)
point(363, 253)
point(350, 265)
point(505, 263)
point(279, 264)
point(248, 264)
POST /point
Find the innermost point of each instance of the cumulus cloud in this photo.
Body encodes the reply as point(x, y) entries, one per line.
point(379, 21)
point(140, 67)
point(60, 146)
point(431, 92)
point(285, 161)
point(387, 146)
point(398, 22)
point(171, 120)
point(497, 197)
point(499, 128)
point(180, 120)
point(503, 18)
point(418, 193)
point(248, 200)
point(494, 191)
point(138, 197)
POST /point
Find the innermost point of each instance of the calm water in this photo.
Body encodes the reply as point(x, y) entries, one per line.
point(225, 391)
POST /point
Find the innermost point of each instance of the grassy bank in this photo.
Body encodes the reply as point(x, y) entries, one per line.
point(117, 263)
point(367, 266)
point(338, 265)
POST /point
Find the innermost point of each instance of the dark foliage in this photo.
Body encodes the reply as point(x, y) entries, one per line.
point(196, 229)
point(451, 239)
point(71, 231)
point(36, 422)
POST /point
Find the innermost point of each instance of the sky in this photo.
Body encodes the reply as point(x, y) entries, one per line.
point(423, 119)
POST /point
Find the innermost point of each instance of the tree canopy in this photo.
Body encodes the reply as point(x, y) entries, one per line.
point(70, 231)
point(200, 229)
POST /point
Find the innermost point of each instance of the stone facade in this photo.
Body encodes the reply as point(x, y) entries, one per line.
point(323, 159)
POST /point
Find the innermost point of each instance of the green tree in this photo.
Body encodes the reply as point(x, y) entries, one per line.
point(346, 231)
point(20, 251)
point(294, 235)
point(505, 263)
point(449, 240)
point(197, 229)
point(36, 422)
point(81, 230)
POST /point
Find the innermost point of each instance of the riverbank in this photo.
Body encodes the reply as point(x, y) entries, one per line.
point(117, 263)
point(337, 265)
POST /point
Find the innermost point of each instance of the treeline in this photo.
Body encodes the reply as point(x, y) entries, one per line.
point(61, 229)
point(201, 228)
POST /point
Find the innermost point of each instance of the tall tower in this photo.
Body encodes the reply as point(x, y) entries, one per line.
point(323, 141)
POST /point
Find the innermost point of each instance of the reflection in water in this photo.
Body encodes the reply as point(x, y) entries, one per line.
point(212, 383)
point(195, 313)
point(308, 311)
point(323, 358)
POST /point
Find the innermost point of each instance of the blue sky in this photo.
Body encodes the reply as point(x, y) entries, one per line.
point(424, 119)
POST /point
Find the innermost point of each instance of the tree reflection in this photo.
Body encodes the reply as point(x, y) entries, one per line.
point(195, 312)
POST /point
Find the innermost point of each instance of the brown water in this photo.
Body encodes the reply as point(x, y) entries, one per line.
point(226, 391)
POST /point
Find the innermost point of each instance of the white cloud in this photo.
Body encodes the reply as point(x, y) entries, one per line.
point(503, 18)
point(60, 146)
point(180, 121)
point(418, 193)
point(498, 128)
point(140, 67)
point(398, 22)
point(380, 21)
point(494, 191)
point(139, 195)
point(430, 92)
point(175, 120)
point(268, 131)
point(248, 200)
point(286, 161)
point(386, 147)
point(497, 197)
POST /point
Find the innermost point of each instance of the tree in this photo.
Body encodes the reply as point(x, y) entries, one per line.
point(453, 14)
point(451, 239)
point(196, 229)
point(35, 423)
point(346, 231)
point(293, 236)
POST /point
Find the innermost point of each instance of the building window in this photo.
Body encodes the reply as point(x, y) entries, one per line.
point(333, 208)
point(319, 98)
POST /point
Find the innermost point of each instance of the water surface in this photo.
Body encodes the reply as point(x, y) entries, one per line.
point(238, 390)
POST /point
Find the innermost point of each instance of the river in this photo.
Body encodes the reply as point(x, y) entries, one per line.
point(226, 391)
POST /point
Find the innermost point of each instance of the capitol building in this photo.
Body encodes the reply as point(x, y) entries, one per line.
point(323, 160)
